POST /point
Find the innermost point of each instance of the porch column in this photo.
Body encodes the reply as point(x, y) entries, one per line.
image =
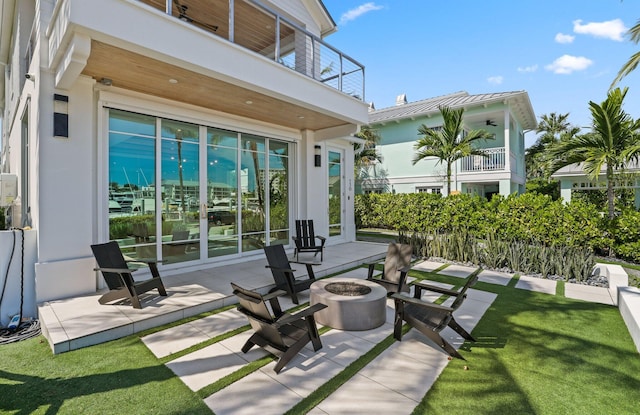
point(565, 190)
point(504, 187)
point(507, 144)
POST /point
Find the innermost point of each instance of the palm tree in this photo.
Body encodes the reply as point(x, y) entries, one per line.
point(448, 143)
point(612, 144)
point(634, 60)
point(366, 154)
point(553, 128)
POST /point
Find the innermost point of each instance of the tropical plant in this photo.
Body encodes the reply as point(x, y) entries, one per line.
point(612, 144)
point(552, 128)
point(366, 153)
point(634, 60)
point(366, 157)
point(449, 143)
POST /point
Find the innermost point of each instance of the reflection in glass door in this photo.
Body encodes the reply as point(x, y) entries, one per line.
point(335, 192)
point(180, 186)
point(186, 192)
point(222, 195)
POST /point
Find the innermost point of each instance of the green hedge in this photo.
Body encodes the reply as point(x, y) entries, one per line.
point(529, 217)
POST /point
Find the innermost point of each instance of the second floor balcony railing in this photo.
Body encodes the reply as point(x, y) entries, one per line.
point(254, 26)
point(495, 161)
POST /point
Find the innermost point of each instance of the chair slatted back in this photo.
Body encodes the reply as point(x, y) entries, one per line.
point(277, 257)
point(108, 255)
point(463, 292)
point(305, 233)
point(398, 257)
point(253, 305)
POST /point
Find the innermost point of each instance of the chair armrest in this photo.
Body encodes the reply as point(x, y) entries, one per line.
point(322, 239)
point(420, 303)
point(434, 288)
point(116, 270)
point(145, 261)
point(405, 269)
point(301, 314)
point(287, 270)
point(274, 294)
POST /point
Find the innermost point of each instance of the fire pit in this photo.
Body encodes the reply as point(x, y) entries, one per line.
point(347, 288)
point(352, 303)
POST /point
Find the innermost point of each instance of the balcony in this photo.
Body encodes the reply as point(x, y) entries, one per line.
point(494, 162)
point(255, 27)
point(236, 57)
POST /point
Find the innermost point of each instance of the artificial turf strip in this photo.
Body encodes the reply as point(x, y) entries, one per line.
point(121, 376)
point(245, 370)
point(203, 344)
point(541, 354)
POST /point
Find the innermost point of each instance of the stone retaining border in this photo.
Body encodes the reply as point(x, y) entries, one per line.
point(626, 298)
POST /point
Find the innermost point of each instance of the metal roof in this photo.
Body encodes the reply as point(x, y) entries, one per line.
point(518, 100)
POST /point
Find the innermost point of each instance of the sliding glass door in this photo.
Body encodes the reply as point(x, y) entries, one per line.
point(186, 192)
point(336, 191)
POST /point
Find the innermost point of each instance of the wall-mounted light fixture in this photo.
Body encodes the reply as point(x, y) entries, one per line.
point(60, 116)
point(317, 159)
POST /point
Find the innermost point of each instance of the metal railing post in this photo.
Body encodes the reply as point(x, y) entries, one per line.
point(277, 51)
point(169, 7)
point(340, 74)
point(231, 20)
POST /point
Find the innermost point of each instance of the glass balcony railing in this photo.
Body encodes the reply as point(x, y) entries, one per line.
point(256, 27)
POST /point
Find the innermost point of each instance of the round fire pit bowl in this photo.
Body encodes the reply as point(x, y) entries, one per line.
point(352, 304)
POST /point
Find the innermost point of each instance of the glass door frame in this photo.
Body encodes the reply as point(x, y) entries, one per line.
point(343, 194)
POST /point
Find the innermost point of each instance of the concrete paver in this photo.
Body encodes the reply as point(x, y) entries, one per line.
point(537, 284)
point(495, 277)
point(588, 293)
point(460, 271)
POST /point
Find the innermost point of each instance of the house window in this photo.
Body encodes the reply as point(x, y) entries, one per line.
point(165, 202)
point(424, 189)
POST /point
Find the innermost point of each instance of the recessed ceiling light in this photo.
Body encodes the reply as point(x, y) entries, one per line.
point(248, 102)
point(173, 81)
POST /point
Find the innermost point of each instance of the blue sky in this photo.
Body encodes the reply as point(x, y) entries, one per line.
point(564, 53)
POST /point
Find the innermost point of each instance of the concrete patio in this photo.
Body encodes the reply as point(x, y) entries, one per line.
point(77, 322)
point(376, 388)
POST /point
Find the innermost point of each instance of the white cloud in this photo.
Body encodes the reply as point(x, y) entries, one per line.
point(495, 80)
point(358, 11)
point(611, 29)
point(567, 64)
point(562, 38)
point(531, 68)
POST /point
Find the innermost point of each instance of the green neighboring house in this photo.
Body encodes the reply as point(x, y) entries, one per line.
point(508, 115)
point(573, 178)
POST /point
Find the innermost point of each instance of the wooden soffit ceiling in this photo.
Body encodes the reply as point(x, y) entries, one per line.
point(139, 73)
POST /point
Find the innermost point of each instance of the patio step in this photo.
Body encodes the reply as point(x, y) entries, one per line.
point(73, 323)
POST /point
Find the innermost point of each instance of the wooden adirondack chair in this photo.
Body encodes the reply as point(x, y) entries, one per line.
point(305, 239)
point(283, 276)
point(396, 265)
point(279, 333)
point(429, 318)
point(119, 278)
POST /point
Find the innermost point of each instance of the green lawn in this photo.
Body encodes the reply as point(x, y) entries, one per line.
point(536, 354)
point(541, 354)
